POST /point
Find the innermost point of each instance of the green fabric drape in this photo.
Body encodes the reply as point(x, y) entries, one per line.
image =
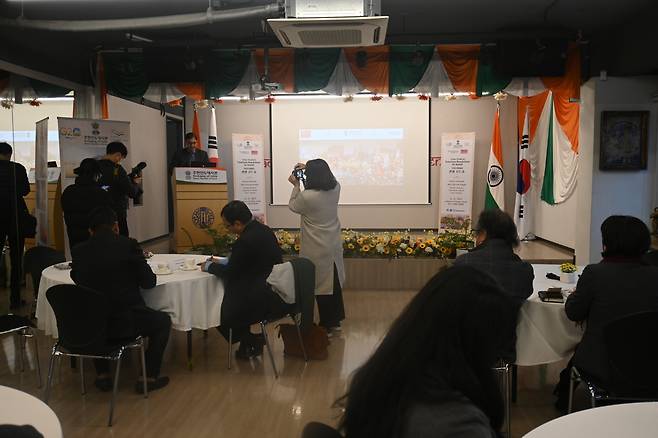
point(44, 89)
point(225, 70)
point(314, 67)
point(547, 186)
point(125, 74)
point(488, 80)
point(407, 65)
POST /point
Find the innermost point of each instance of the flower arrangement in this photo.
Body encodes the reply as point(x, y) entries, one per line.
point(388, 244)
point(221, 242)
point(568, 268)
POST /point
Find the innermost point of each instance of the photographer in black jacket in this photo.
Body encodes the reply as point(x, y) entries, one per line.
point(118, 183)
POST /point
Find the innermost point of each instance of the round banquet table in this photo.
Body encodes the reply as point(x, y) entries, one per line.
point(191, 298)
point(19, 408)
point(544, 334)
point(637, 420)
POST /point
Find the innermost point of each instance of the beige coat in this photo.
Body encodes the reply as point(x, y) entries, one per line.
point(320, 239)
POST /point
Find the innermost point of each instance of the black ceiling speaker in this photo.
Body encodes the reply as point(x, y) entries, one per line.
point(531, 57)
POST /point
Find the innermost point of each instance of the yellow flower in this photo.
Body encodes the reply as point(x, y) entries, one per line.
point(296, 247)
point(365, 248)
point(350, 246)
point(409, 251)
point(359, 240)
point(422, 245)
point(430, 242)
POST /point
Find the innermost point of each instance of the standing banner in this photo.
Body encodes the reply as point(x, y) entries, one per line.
point(456, 190)
point(41, 180)
point(86, 138)
point(248, 173)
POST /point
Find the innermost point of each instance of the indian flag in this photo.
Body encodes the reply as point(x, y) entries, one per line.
point(495, 196)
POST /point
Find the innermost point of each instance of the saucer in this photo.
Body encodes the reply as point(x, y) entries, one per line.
point(163, 272)
point(185, 268)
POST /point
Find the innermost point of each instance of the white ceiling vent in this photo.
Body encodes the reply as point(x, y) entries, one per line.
point(330, 32)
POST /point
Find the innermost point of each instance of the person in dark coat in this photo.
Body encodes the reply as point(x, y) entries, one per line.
point(114, 265)
point(248, 298)
point(188, 155)
point(620, 285)
point(496, 238)
point(119, 185)
point(13, 187)
point(81, 198)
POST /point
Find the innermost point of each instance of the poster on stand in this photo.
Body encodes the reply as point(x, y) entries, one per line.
point(87, 138)
point(456, 189)
point(41, 182)
point(249, 173)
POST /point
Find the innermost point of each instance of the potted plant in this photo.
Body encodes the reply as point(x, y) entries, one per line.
point(568, 273)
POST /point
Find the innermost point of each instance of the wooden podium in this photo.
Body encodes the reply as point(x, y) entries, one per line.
point(199, 196)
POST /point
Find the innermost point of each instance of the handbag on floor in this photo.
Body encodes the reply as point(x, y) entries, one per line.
point(315, 341)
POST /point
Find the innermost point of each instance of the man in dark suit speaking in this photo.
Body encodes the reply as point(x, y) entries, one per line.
point(190, 155)
point(114, 265)
point(248, 298)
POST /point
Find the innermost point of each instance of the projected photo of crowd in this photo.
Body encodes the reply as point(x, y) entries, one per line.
point(357, 157)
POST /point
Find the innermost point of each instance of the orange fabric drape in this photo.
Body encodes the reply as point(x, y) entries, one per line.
point(193, 90)
point(374, 73)
point(567, 86)
point(461, 64)
point(281, 66)
point(196, 130)
point(568, 116)
point(535, 105)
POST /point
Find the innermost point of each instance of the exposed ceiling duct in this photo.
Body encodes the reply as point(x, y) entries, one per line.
point(210, 16)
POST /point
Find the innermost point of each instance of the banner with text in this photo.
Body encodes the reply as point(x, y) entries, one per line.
point(87, 138)
point(198, 175)
point(249, 173)
point(456, 189)
point(41, 180)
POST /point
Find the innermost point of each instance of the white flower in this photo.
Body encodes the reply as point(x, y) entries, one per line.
point(403, 246)
point(285, 247)
point(291, 241)
point(379, 248)
point(429, 249)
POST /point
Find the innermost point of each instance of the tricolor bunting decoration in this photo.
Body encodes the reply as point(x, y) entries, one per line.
point(495, 196)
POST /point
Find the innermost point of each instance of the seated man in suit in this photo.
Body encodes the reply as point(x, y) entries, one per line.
point(620, 285)
point(188, 155)
point(248, 299)
point(496, 237)
point(113, 264)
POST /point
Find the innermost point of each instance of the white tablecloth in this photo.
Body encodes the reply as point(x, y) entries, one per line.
point(544, 333)
point(20, 408)
point(192, 298)
point(637, 420)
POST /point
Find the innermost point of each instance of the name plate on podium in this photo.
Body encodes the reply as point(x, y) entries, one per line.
point(200, 175)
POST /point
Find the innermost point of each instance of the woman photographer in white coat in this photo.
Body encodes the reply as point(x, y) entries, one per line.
point(320, 239)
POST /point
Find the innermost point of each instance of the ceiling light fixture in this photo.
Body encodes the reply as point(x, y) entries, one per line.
point(137, 38)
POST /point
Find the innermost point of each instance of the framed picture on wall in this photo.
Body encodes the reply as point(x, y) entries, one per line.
point(624, 140)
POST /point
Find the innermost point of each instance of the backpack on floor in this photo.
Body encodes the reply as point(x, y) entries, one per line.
point(315, 341)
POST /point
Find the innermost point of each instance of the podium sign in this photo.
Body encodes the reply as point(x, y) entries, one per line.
point(200, 175)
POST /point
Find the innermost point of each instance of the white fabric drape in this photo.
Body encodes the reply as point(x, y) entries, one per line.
point(435, 80)
point(250, 77)
point(342, 81)
point(565, 163)
point(163, 92)
point(517, 87)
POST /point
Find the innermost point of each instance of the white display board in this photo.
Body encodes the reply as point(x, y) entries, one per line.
point(87, 138)
point(41, 178)
point(456, 197)
point(249, 173)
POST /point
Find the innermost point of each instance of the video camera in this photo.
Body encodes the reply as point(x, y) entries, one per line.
point(137, 170)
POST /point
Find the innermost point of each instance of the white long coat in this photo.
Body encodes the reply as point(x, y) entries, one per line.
point(320, 239)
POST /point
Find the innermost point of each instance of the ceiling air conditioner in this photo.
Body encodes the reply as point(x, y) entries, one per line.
point(339, 23)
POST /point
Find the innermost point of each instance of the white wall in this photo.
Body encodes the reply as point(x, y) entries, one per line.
point(446, 116)
point(585, 169)
point(148, 142)
point(623, 192)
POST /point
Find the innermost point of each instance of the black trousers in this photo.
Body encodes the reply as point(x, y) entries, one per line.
point(16, 247)
point(149, 323)
point(122, 219)
point(331, 307)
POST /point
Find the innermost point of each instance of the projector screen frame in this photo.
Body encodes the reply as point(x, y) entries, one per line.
point(428, 161)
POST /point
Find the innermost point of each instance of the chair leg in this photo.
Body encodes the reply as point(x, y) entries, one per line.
point(49, 382)
point(190, 363)
point(114, 391)
point(144, 376)
point(21, 351)
point(508, 400)
point(230, 348)
point(36, 357)
point(299, 335)
point(82, 376)
point(514, 385)
point(269, 349)
point(572, 378)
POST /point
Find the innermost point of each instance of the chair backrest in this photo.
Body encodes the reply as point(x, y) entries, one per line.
point(632, 355)
point(304, 271)
point(81, 315)
point(37, 259)
point(319, 430)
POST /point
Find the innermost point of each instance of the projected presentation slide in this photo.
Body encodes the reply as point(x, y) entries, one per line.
point(379, 152)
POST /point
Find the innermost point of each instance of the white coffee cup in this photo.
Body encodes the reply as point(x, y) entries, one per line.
point(190, 263)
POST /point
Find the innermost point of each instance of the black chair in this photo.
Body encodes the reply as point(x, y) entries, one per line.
point(504, 370)
point(632, 360)
point(21, 327)
point(319, 430)
point(82, 316)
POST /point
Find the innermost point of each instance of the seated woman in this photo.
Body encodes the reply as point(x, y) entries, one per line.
point(432, 374)
point(621, 284)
